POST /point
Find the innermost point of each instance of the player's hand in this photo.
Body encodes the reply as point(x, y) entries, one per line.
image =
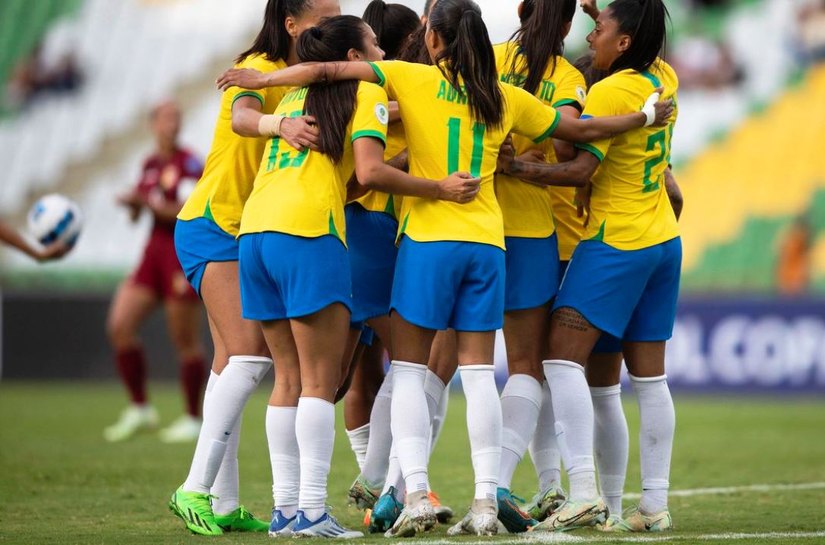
point(663, 108)
point(53, 251)
point(459, 187)
point(590, 8)
point(300, 132)
point(534, 155)
point(245, 78)
point(506, 156)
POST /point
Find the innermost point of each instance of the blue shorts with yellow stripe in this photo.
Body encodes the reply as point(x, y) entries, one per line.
point(286, 276)
point(445, 284)
point(199, 242)
point(629, 294)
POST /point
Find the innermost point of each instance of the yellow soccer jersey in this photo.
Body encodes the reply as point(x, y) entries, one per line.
point(378, 201)
point(233, 160)
point(303, 193)
point(443, 138)
point(629, 208)
point(528, 209)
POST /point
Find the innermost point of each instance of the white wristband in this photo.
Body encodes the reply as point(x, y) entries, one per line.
point(649, 109)
point(270, 125)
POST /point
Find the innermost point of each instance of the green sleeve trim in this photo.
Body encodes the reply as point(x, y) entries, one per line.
point(248, 94)
point(568, 102)
point(550, 130)
point(592, 149)
point(382, 79)
point(653, 79)
point(371, 134)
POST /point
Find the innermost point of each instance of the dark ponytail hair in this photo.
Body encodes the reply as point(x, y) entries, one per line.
point(645, 21)
point(333, 104)
point(540, 38)
point(392, 23)
point(273, 39)
point(428, 7)
point(468, 55)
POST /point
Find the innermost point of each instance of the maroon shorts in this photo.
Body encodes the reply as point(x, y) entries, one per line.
point(160, 270)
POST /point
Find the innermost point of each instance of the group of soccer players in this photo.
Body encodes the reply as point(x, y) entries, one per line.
point(470, 189)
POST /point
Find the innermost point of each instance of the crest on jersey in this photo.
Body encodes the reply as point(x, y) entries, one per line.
point(382, 114)
point(581, 93)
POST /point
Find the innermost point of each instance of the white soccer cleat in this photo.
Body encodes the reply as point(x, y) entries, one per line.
point(183, 430)
point(572, 515)
point(133, 419)
point(480, 520)
point(415, 519)
point(326, 526)
point(634, 520)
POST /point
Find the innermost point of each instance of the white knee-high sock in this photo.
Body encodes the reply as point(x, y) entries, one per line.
point(520, 403)
point(315, 433)
point(358, 440)
point(483, 426)
point(227, 481)
point(395, 479)
point(284, 457)
point(610, 443)
point(227, 400)
point(440, 416)
point(657, 426)
point(434, 390)
point(573, 410)
point(544, 450)
point(202, 446)
point(376, 460)
point(410, 424)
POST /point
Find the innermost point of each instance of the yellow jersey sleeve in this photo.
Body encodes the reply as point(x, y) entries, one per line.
point(629, 208)
point(232, 163)
point(570, 88)
point(303, 193)
point(531, 118)
point(372, 115)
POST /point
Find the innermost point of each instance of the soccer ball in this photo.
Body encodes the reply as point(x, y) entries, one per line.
point(55, 218)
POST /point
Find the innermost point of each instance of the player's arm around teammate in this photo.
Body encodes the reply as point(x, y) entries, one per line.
point(207, 247)
point(296, 209)
point(532, 60)
point(624, 275)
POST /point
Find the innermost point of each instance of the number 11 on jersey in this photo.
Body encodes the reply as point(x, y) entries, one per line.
point(454, 147)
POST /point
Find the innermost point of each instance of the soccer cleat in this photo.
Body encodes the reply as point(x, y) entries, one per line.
point(610, 525)
point(133, 419)
point(546, 503)
point(326, 526)
point(572, 515)
point(195, 509)
point(442, 512)
point(385, 512)
point(414, 519)
point(362, 494)
point(280, 525)
point(241, 520)
point(510, 514)
point(480, 520)
point(634, 520)
point(183, 430)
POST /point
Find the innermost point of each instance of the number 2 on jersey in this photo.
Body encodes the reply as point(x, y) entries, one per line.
point(454, 147)
point(662, 140)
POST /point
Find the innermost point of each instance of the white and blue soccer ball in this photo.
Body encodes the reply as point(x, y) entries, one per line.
point(53, 218)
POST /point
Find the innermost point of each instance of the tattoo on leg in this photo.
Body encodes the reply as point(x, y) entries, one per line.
point(569, 318)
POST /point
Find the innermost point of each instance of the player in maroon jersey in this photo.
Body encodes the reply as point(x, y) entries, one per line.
point(168, 176)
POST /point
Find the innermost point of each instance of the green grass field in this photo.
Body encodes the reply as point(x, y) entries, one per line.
point(61, 483)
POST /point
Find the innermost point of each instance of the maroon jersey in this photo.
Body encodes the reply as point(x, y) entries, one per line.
point(163, 179)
